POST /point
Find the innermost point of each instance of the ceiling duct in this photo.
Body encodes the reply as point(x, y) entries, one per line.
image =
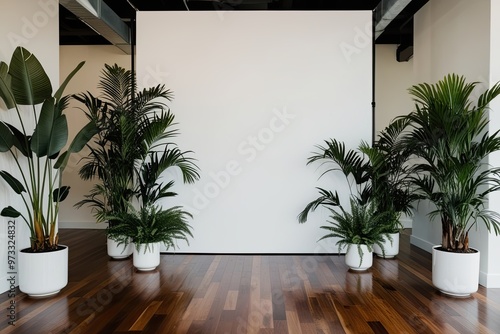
point(385, 12)
point(103, 20)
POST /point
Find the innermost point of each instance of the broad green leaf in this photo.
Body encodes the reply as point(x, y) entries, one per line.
point(51, 133)
point(78, 143)
point(5, 92)
point(60, 194)
point(82, 137)
point(6, 138)
point(10, 212)
point(59, 136)
point(62, 161)
point(13, 182)
point(59, 92)
point(30, 84)
point(21, 142)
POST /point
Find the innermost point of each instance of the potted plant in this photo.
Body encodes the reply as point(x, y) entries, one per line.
point(151, 225)
point(358, 230)
point(449, 136)
point(37, 153)
point(363, 226)
point(390, 186)
point(130, 123)
point(148, 227)
point(378, 173)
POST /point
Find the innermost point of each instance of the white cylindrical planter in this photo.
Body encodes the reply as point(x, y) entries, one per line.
point(43, 274)
point(455, 274)
point(352, 258)
point(121, 251)
point(391, 248)
point(146, 256)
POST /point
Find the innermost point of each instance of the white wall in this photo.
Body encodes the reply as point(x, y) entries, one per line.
point(252, 100)
point(458, 37)
point(95, 56)
point(34, 25)
point(392, 80)
point(492, 278)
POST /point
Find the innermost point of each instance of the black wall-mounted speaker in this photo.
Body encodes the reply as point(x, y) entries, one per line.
point(404, 52)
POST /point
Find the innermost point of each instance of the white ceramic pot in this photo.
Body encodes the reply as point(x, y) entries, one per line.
point(146, 256)
point(391, 248)
point(352, 258)
point(119, 251)
point(43, 274)
point(455, 274)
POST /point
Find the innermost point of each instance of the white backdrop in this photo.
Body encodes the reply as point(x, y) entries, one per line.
point(254, 93)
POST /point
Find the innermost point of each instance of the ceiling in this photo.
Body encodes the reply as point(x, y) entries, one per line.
point(73, 31)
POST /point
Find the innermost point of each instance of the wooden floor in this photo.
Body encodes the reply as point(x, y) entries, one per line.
point(249, 294)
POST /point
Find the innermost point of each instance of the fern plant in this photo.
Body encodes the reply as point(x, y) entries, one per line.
point(151, 224)
point(363, 225)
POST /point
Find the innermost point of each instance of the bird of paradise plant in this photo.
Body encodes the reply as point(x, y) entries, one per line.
point(25, 88)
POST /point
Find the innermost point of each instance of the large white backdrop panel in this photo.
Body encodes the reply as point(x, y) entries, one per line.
point(254, 93)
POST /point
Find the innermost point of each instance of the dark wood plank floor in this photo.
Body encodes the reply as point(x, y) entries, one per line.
point(249, 294)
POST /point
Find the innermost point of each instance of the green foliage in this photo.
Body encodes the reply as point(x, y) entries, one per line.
point(133, 146)
point(151, 224)
point(363, 225)
point(450, 137)
point(26, 88)
point(390, 174)
point(129, 154)
point(376, 174)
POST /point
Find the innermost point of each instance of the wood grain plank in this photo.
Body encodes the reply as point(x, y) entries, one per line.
point(223, 293)
point(145, 316)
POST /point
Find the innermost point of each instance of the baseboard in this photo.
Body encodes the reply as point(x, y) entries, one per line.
point(421, 243)
point(489, 280)
point(406, 222)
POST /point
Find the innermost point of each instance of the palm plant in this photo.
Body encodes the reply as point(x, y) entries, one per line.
point(390, 186)
point(135, 129)
point(450, 136)
point(377, 173)
point(351, 164)
point(364, 225)
point(37, 154)
point(378, 178)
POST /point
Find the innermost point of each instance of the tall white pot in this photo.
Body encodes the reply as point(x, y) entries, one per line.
point(43, 274)
point(391, 248)
point(352, 258)
point(455, 274)
point(119, 251)
point(146, 256)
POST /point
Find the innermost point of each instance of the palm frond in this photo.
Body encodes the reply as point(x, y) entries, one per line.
point(451, 136)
